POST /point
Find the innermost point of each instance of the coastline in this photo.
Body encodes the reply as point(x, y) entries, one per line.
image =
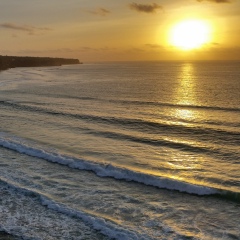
point(7, 62)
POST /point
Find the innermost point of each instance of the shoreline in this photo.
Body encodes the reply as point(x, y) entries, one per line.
point(7, 62)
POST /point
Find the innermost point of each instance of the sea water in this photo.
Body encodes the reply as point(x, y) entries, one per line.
point(143, 150)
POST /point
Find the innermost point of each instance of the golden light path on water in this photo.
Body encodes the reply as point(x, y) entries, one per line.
point(186, 91)
point(185, 96)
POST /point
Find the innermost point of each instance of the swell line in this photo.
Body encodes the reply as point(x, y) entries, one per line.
point(108, 170)
point(139, 124)
point(165, 143)
point(149, 103)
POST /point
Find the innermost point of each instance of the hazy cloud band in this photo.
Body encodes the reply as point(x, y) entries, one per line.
point(216, 1)
point(100, 12)
point(25, 28)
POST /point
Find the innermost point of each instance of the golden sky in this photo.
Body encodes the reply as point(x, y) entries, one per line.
point(112, 30)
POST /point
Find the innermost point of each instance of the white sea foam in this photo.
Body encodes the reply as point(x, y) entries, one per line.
point(107, 170)
point(106, 227)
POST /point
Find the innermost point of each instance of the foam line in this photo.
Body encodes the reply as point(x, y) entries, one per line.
point(106, 227)
point(108, 170)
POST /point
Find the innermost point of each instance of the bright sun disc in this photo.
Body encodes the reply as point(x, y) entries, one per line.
point(190, 34)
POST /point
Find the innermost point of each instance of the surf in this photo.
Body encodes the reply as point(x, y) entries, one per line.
point(109, 170)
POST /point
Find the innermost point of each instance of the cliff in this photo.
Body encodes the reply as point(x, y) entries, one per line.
point(12, 62)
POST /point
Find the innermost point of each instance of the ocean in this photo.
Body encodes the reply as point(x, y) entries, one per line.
point(129, 150)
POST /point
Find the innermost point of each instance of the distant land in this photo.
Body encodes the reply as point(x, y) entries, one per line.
point(14, 61)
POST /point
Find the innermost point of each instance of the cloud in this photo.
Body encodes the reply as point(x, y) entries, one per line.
point(153, 46)
point(147, 8)
point(65, 50)
point(134, 50)
point(31, 30)
point(215, 44)
point(100, 11)
point(91, 49)
point(216, 1)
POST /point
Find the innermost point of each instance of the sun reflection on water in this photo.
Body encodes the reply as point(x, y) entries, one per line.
point(184, 114)
point(186, 88)
point(185, 93)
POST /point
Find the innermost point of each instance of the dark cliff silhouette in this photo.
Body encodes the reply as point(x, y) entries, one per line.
point(12, 62)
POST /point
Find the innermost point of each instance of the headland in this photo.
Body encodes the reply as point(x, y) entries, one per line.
point(7, 62)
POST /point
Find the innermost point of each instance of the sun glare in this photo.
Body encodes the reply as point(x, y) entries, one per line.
point(190, 34)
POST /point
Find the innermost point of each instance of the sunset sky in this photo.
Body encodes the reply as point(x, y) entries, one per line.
point(110, 30)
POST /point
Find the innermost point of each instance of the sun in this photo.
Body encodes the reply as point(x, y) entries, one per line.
point(190, 34)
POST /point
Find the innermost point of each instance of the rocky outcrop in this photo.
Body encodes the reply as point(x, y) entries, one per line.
point(13, 61)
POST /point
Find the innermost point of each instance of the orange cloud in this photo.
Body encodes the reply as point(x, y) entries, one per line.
point(154, 46)
point(147, 8)
point(100, 12)
point(216, 1)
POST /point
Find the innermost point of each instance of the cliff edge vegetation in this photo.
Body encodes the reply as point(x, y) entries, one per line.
point(14, 61)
